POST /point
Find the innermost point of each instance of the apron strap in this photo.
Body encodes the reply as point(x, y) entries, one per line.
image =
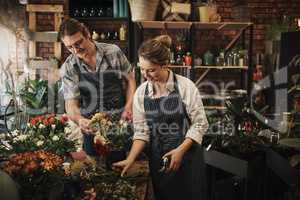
point(177, 90)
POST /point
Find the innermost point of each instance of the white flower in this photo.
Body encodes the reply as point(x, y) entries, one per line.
point(40, 143)
point(68, 130)
point(41, 126)
point(66, 164)
point(55, 138)
point(123, 123)
point(15, 133)
point(21, 137)
point(2, 136)
point(53, 126)
point(28, 125)
point(7, 146)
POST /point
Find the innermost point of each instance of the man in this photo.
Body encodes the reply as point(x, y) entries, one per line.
point(93, 78)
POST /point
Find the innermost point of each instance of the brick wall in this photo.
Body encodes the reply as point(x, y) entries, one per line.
point(261, 13)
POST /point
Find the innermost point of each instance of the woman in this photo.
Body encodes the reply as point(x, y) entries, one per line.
point(168, 115)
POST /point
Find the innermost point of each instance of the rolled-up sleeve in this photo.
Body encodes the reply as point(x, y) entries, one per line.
point(141, 129)
point(125, 65)
point(70, 82)
point(196, 112)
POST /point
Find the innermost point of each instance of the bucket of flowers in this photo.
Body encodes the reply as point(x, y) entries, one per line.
point(34, 157)
point(112, 137)
point(38, 174)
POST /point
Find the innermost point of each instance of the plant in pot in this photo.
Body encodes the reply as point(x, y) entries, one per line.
point(273, 33)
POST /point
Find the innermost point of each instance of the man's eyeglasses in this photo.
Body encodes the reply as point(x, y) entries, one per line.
point(76, 45)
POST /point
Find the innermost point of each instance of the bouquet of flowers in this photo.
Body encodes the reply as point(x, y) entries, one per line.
point(111, 134)
point(37, 173)
point(47, 132)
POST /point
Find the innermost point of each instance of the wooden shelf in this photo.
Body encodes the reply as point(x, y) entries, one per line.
point(121, 42)
point(164, 24)
point(103, 18)
point(188, 25)
point(215, 96)
point(46, 36)
point(215, 107)
point(221, 67)
point(181, 66)
point(178, 66)
point(221, 25)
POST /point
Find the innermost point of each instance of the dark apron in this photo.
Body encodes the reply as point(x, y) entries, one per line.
point(99, 92)
point(161, 113)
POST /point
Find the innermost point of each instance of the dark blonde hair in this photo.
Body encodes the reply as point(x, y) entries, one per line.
point(156, 50)
point(70, 27)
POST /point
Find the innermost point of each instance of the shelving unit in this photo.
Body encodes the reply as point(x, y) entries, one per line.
point(221, 67)
point(46, 36)
point(104, 24)
point(192, 27)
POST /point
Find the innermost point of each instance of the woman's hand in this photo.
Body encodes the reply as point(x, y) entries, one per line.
point(89, 194)
point(123, 166)
point(175, 156)
point(84, 125)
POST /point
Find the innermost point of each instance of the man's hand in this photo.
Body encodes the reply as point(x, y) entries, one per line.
point(84, 125)
point(175, 157)
point(123, 166)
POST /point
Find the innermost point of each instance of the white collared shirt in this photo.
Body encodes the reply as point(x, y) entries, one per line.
point(191, 98)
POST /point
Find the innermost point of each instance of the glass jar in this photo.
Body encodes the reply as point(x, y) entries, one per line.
point(220, 60)
point(208, 58)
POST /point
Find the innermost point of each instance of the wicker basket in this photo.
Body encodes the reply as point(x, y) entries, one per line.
point(143, 9)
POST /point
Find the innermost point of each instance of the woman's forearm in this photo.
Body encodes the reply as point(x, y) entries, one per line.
point(136, 149)
point(185, 145)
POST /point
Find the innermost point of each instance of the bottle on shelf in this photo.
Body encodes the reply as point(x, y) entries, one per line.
point(179, 60)
point(229, 59)
point(208, 58)
point(188, 59)
point(220, 60)
point(241, 58)
point(198, 61)
point(235, 58)
point(122, 32)
point(95, 36)
point(102, 36)
point(172, 58)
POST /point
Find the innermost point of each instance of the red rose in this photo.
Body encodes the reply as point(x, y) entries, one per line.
point(63, 119)
point(33, 121)
point(45, 122)
point(51, 120)
point(41, 118)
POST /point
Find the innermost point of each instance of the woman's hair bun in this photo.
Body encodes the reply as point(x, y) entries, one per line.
point(165, 40)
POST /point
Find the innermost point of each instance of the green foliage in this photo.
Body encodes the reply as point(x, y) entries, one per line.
point(274, 31)
point(34, 94)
